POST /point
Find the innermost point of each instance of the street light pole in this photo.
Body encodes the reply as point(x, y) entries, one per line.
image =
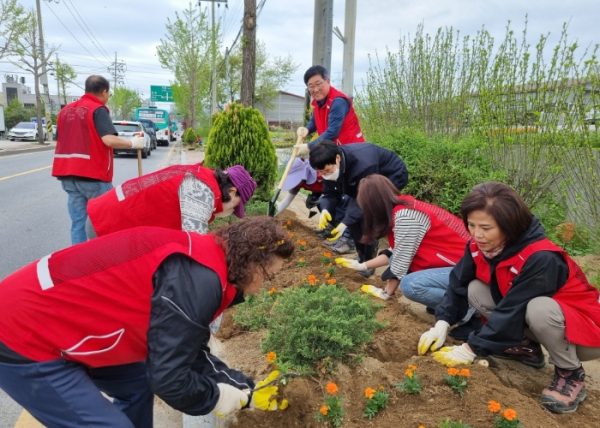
point(44, 76)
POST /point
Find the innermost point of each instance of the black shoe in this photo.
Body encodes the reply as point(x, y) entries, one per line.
point(530, 354)
point(430, 310)
point(462, 331)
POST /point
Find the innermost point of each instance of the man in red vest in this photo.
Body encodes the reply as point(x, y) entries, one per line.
point(83, 159)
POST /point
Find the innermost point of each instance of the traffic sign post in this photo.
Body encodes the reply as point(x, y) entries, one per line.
point(161, 94)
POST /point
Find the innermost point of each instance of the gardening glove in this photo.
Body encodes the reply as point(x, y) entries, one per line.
point(452, 356)
point(302, 149)
point(375, 291)
point(260, 398)
point(302, 132)
point(137, 143)
point(434, 338)
point(337, 232)
point(230, 400)
point(351, 264)
point(324, 219)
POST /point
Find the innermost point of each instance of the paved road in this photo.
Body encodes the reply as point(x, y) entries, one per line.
point(34, 220)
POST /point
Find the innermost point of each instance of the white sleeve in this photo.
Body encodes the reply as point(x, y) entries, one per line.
point(196, 201)
point(286, 201)
point(409, 229)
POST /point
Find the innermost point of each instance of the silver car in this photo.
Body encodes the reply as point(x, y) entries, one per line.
point(25, 131)
point(130, 129)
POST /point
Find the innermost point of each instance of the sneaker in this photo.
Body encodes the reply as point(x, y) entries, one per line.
point(566, 391)
point(375, 291)
point(343, 246)
point(530, 354)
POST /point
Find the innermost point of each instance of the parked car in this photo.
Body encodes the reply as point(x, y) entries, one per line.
point(130, 129)
point(150, 128)
point(25, 131)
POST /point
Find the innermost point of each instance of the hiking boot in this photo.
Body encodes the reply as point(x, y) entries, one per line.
point(375, 291)
point(343, 246)
point(462, 331)
point(566, 391)
point(530, 354)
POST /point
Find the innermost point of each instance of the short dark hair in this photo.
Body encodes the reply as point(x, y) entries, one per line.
point(501, 202)
point(96, 85)
point(314, 71)
point(377, 197)
point(224, 182)
point(324, 153)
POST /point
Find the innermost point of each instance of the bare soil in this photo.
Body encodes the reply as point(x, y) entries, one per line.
point(512, 384)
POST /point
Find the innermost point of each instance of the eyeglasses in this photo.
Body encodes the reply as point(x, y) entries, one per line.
point(315, 86)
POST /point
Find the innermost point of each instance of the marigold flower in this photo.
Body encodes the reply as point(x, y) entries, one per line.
point(328, 255)
point(421, 426)
point(412, 367)
point(303, 243)
point(509, 414)
point(289, 223)
point(271, 356)
point(301, 259)
point(331, 281)
point(465, 372)
point(330, 264)
point(298, 241)
point(369, 392)
point(331, 388)
point(381, 387)
point(453, 371)
point(272, 291)
point(494, 406)
point(291, 235)
point(409, 373)
point(327, 275)
point(324, 409)
point(311, 277)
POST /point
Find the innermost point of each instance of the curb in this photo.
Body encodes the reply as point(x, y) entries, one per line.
point(8, 152)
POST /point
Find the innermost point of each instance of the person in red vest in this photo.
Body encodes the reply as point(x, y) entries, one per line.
point(127, 315)
point(83, 158)
point(529, 291)
point(180, 197)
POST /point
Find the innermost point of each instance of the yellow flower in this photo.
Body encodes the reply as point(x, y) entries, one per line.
point(272, 291)
point(509, 414)
point(331, 388)
point(409, 373)
point(324, 409)
point(381, 387)
point(412, 367)
point(494, 406)
point(369, 392)
point(271, 356)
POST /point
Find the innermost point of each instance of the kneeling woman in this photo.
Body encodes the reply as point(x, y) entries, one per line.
point(524, 285)
point(127, 315)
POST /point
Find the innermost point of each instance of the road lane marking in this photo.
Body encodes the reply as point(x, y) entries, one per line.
point(26, 172)
point(27, 421)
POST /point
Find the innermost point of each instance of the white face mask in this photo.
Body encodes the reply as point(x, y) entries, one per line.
point(227, 210)
point(333, 176)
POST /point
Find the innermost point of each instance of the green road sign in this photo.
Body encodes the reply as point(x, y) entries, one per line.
point(161, 94)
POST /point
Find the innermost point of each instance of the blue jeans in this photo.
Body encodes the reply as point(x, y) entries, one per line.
point(62, 394)
point(80, 192)
point(426, 286)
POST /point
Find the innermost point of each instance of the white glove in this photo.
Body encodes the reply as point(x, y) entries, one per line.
point(324, 219)
point(137, 143)
point(337, 232)
point(302, 132)
point(452, 356)
point(284, 203)
point(351, 264)
point(434, 338)
point(230, 400)
point(302, 149)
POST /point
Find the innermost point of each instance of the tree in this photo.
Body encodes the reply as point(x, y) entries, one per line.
point(15, 113)
point(249, 53)
point(123, 102)
point(65, 74)
point(13, 23)
point(185, 51)
point(27, 51)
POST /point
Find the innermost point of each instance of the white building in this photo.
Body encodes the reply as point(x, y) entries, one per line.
point(15, 88)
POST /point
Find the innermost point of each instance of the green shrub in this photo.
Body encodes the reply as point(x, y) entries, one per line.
point(240, 136)
point(189, 136)
point(325, 325)
point(253, 313)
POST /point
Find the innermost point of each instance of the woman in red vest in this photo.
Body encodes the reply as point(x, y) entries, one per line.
point(128, 315)
point(529, 291)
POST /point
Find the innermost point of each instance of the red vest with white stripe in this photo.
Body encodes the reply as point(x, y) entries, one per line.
point(90, 303)
point(578, 300)
point(443, 244)
point(149, 200)
point(79, 149)
point(350, 131)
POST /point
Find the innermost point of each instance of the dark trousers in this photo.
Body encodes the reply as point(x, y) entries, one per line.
point(62, 394)
point(365, 251)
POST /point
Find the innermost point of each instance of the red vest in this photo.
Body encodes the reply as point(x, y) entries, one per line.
point(90, 303)
point(316, 187)
point(443, 244)
point(149, 200)
point(579, 301)
point(350, 131)
point(79, 149)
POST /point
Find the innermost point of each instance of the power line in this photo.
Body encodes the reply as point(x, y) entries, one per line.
point(100, 49)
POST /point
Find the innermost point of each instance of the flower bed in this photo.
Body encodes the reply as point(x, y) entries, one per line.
point(394, 348)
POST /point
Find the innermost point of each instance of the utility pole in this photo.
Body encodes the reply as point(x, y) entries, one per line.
point(348, 40)
point(227, 74)
point(322, 35)
point(44, 76)
point(56, 66)
point(249, 53)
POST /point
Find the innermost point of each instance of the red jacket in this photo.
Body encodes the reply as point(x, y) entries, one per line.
point(79, 149)
point(350, 131)
point(444, 243)
point(149, 200)
point(90, 303)
point(578, 300)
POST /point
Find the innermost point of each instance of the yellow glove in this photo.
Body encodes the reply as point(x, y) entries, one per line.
point(324, 219)
point(337, 232)
point(260, 398)
point(452, 356)
point(434, 338)
point(351, 264)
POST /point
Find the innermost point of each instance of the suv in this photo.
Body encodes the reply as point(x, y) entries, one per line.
point(130, 129)
point(26, 131)
point(150, 127)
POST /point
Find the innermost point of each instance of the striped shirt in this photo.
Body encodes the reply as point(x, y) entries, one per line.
point(410, 226)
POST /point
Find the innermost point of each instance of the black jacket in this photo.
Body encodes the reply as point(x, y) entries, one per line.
point(360, 160)
point(181, 370)
point(544, 273)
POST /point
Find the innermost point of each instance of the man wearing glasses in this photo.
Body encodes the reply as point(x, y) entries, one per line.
point(83, 159)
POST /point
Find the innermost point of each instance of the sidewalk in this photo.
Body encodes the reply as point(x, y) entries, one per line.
point(17, 147)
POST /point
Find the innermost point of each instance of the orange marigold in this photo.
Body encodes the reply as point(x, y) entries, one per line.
point(412, 367)
point(409, 373)
point(465, 372)
point(494, 406)
point(291, 235)
point(301, 259)
point(324, 409)
point(327, 254)
point(509, 414)
point(271, 356)
point(298, 241)
point(369, 392)
point(331, 388)
point(453, 371)
point(327, 275)
point(331, 281)
point(272, 290)
point(303, 243)
point(289, 223)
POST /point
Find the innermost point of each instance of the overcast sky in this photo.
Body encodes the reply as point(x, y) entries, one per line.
point(89, 32)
